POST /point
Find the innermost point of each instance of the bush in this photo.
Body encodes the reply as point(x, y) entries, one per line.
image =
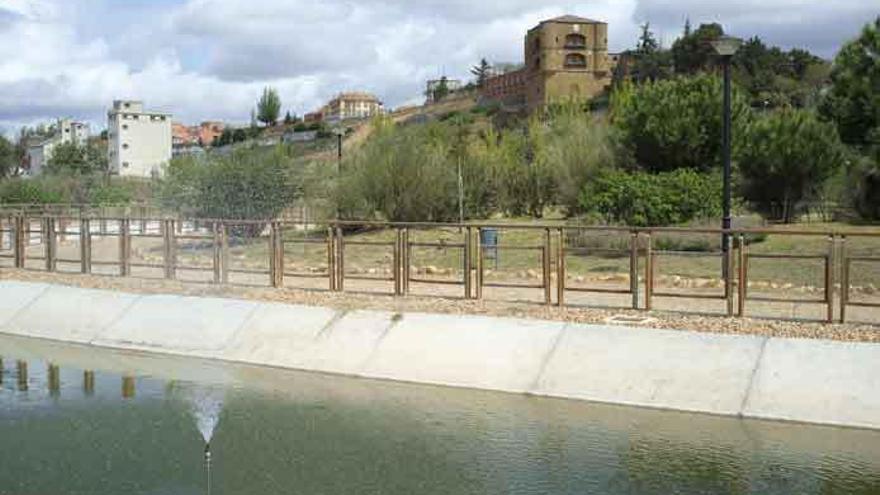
point(29, 191)
point(676, 123)
point(576, 148)
point(401, 174)
point(642, 199)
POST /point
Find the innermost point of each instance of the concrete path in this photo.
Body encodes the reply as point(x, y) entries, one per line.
point(799, 380)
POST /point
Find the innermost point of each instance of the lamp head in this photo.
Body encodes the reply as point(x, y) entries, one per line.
point(727, 46)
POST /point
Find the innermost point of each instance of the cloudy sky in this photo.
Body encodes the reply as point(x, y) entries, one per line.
point(209, 59)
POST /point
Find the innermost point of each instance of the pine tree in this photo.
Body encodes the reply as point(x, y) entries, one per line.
point(481, 72)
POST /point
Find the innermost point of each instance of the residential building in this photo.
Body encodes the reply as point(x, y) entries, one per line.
point(565, 57)
point(203, 134)
point(64, 131)
point(139, 140)
point(352, 105)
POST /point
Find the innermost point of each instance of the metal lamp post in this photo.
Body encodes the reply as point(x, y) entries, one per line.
point(340, 132)
point(726, 47)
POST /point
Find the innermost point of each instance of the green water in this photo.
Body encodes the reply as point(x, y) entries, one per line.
point(298, 433)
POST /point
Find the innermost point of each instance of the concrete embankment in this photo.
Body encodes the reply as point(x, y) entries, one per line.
point(800, 380)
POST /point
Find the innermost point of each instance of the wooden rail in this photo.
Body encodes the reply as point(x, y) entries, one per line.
point(639, 245)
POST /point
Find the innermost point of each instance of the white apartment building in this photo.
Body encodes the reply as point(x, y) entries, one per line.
point(64, 131)
point(139, 142)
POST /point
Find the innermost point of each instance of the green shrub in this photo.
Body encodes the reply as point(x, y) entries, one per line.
point(29, 191)
point(642, 199)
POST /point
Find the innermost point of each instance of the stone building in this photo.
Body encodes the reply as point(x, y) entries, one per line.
point(565, 57)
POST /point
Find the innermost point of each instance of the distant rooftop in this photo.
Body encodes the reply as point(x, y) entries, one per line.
point(573, 19)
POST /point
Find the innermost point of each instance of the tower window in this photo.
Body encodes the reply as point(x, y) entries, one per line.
point(575, 41)
point(575, 60)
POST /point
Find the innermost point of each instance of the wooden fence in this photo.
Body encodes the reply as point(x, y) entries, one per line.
point(31, 237)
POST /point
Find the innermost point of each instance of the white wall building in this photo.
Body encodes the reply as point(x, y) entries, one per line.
point(139, 142)
point(353, 105)
point(64, 131)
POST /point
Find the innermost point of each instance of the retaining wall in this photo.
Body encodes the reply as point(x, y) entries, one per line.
point(801, 380)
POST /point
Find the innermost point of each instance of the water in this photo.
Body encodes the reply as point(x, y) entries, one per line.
point(279, 432)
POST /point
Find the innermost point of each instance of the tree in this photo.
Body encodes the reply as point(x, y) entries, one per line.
point(676, 123)
point(77, 159)
point(775, 78)
point(8, 159)
point(481, 72)
point(788, 158)
point(694, 53)
point(651, 63)
point(245, 184)
point(853, 102)
point(269, 107)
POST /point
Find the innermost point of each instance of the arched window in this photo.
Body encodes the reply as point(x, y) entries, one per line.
point(575, 60)
point(575, 41)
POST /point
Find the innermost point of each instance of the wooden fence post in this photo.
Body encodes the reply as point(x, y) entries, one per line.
point(331, 257)
point(215, 244)
point(85, 245)
point(743, 276)
point(276, 250)
point(560, 269)
point(124, 247)
point(479, 274)
point(728, 272)
point(634, 268)
point(468, 246)
point(340, 260)
point(844, 279)
point(224, 254)
point(170, 248)
point(407, 256)
point(18, 241)
point(51, 245)
point(649, 272)
point(830, 261)
point(545, 268)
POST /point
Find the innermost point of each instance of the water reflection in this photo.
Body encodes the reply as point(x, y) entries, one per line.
point(268, 431)
point(89, 383)
point(21, 368)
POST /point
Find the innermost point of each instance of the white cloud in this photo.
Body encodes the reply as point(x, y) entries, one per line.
point(206, 59)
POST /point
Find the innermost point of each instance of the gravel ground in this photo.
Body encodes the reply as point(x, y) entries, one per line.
point(350, 301)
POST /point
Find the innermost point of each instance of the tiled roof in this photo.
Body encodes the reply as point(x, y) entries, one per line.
point(573, 19)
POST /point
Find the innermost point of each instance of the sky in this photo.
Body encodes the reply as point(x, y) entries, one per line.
point(210, 59)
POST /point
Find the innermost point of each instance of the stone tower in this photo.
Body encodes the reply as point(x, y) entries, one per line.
point(566, 57)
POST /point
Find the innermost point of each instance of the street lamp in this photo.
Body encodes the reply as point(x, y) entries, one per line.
point(340, 132)
point(726, 47)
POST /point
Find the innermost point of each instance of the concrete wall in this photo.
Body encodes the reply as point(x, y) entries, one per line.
point(799, 380)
